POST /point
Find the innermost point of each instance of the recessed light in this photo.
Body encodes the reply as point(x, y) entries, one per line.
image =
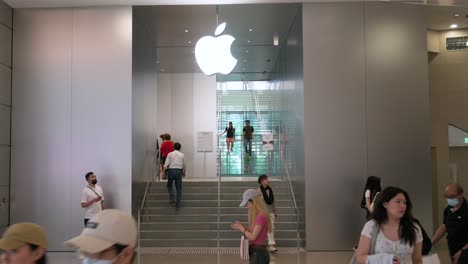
point(247, 51)
point(250, 29)
point(190, 42)
point(157, 62)
point(456, 15)
point(453, 26)
point(248, 41)
point(163, 70)
point(186, 31)
point(245, 61)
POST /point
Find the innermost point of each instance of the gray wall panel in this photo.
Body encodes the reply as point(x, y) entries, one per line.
point(4, 166)
point(6, 15)
point(5, 45)
point(5, 85)
point(398, 101)
point(101, 105)
point(335, 122)
point(5, 125)
point(72, 97)
point(40, 180)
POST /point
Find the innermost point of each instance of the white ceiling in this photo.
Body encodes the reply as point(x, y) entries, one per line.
point(441, 17)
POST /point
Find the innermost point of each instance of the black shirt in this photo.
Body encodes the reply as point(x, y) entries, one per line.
point(230, 132)
point(457, 227)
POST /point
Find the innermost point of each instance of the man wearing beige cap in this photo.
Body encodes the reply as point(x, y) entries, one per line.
point(24, 243)
point(109, 237)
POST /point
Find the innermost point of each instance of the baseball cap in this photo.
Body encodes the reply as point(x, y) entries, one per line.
point(105, 229)
point(248, 194)
point(21, 234)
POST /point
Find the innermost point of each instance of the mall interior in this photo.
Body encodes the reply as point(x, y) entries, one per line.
point(344, 89)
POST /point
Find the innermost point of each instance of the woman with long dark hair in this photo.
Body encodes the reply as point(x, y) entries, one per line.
point(399, 238)
point(371, 191)
point(24, 243)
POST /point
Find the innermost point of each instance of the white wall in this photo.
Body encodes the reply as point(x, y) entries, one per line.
point(187, 105)
point(366, 111)
point(72, 84)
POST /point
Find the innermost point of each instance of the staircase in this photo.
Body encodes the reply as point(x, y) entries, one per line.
point(196, 223)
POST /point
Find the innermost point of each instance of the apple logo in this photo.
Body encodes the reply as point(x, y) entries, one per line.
point(213, 54)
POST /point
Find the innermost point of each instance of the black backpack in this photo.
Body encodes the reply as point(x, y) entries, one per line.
point(427, 243)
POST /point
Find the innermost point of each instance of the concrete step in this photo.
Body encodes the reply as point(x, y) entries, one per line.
point(208, 218)
point(166, 226)
point(209, 196)
point(205, 242)
point(207, 210)
point(208, 234)
point(208, 203)
point(214, 189)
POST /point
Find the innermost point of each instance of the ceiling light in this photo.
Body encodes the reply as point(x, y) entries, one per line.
point(186, 31)
point(250, 29)
point(456, 15)
point(275, 40)
point(453, 26)
point(190, 42)
point(467, 43)
point(162, 69)
point(247, 51)
point(245, 61)
point(157, 62)
point(248, 41)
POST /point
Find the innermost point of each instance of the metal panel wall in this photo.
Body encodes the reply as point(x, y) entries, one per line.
point(72, 97)
point(334, 122)
point(367, 113)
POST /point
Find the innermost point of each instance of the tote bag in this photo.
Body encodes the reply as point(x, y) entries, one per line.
point(375, 232)
point(244, 248)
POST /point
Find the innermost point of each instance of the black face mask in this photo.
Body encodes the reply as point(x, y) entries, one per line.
point(94, 181)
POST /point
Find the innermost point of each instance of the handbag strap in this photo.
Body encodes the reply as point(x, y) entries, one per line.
point(375, 233)
point(93, 191)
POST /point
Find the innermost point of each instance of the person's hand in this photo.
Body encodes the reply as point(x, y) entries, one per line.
point(183, 174)
point(396, 260)
point(237, 226)
point(456, 257)
point(276, 215)
point(97, 199)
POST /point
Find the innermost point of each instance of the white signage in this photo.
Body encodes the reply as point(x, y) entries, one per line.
point(213, 54)
point(205, 141)
point(267, 142)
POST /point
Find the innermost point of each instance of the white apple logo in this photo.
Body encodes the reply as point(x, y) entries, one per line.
point(214, 54)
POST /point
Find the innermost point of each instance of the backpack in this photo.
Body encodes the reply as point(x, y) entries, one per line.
point(427, 243)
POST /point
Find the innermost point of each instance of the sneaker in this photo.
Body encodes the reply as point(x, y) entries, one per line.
point(272, 249)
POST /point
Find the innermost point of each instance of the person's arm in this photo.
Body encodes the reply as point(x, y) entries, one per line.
point(183, 167)
point(225, 130)
point(457, 255)
point(417, 253)
point(88, 203)
point(363, 249)
point(439, 234)
point(102, 205)
point(252, 235)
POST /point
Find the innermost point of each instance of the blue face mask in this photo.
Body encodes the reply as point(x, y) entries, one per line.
point(453, 202)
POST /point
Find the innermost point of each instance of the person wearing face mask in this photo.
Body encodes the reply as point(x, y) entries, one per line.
point(108, 238)
point(455, 224)
point(92, 197)
point(24, 243)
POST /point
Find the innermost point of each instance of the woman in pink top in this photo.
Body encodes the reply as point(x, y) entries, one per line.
point(259, 224)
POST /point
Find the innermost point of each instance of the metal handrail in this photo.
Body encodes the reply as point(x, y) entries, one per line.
point(149, 180)
point(286, 169)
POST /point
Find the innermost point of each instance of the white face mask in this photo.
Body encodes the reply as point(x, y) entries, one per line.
point(97, 261)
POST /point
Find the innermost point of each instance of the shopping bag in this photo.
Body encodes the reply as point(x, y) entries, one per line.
point(163, 175)
point(244, 248)
point(431, 259)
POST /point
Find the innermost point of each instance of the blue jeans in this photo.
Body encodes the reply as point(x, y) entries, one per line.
point(174, 175)
point(248, 143)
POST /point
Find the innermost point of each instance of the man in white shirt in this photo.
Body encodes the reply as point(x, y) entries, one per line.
point(92, 198)
point(175, 167)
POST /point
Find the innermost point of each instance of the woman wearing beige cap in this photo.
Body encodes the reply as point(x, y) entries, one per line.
point(259, 225)
point(24, 243)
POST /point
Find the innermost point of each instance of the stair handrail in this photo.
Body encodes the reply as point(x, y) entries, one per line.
point(286, 169)
point(149, 180)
